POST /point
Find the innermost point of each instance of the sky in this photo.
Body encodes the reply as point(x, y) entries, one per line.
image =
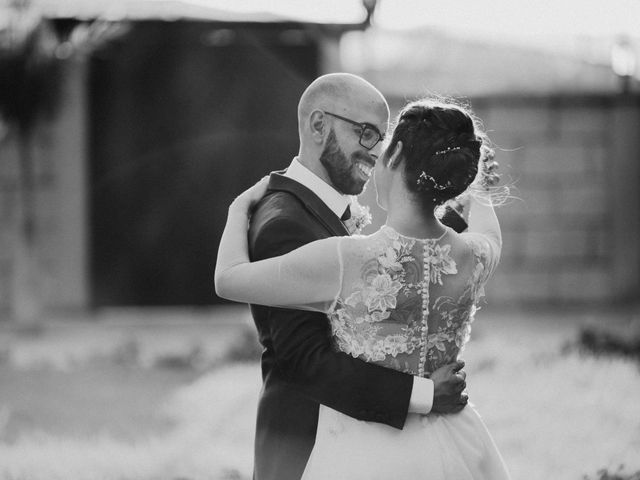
point(515, 18)
point(588, 29)
point(575, 27)
point(493, 18)
point(499, 19)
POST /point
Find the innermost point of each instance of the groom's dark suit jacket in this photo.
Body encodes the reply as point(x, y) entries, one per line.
point(300, 369)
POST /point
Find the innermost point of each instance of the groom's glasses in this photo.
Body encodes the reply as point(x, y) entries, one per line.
point(369, 135)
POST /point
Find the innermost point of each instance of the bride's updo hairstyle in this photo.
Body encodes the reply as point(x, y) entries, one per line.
point(442, 146)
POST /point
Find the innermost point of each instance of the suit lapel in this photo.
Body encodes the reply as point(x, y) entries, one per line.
point(278, 182)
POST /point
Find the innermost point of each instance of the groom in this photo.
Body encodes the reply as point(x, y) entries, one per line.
point(341, 122)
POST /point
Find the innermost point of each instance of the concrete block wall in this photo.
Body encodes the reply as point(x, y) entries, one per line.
point(572, 234)
point(573, 161)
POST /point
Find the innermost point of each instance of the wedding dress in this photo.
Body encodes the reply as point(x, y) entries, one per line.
point(407, 304)
point(399, 302)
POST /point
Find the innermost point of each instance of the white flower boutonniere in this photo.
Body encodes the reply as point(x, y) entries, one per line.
point(360, 217)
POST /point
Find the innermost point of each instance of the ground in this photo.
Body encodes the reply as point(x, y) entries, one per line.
point(171, 394)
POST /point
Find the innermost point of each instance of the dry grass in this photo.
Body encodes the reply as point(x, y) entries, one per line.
point(553, 414)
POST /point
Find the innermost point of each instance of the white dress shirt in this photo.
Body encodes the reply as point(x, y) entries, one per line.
point(333, 199)
point(422, 394)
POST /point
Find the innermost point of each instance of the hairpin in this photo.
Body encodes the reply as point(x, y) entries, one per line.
point(446, 150)
point(424, 178)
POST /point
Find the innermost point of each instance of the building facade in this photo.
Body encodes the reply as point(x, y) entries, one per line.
point(155, 136)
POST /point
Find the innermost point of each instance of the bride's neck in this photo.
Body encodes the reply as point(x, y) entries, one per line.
point(408, 217)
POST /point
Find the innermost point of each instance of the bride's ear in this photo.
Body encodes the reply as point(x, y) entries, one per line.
point(396, 156)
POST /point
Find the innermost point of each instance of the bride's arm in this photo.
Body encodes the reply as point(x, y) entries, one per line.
point(483, 219)
point(303, 278)
point(477, 203)
point(484, 232)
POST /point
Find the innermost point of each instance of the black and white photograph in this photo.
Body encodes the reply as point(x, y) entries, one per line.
point(319, 240)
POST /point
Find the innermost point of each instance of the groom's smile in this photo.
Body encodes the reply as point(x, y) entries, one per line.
point(348, 174)
point(365, 168)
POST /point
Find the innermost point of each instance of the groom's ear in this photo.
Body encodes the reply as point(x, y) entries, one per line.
point(317, 126)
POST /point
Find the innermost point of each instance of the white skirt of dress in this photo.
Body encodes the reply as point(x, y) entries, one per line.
point(434, 447)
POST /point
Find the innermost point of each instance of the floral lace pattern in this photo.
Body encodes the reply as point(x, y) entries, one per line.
point(388, 316)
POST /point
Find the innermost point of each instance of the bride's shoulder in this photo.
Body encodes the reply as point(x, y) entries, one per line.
point(477, 242)
point(484, 250)
point(360, 239)
point(362, 246)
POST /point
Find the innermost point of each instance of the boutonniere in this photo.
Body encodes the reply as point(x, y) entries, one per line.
point(360, 217)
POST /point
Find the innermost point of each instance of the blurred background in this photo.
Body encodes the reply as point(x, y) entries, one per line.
point(128, 126)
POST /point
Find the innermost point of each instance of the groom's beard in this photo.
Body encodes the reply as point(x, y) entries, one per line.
point(342, 170)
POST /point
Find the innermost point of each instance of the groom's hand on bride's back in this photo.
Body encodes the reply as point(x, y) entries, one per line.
point(449, 383)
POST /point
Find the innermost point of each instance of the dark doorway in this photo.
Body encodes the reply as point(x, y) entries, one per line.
point(184, 115)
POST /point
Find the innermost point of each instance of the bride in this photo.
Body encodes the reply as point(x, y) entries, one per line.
point(403, 297)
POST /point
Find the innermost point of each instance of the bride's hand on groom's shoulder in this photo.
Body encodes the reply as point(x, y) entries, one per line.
point(250, 197)
point(449, 383)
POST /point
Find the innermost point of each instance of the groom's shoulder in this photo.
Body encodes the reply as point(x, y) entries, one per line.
point(285, 199)
point(279, 224)
point(281, 211)
point(278, 205)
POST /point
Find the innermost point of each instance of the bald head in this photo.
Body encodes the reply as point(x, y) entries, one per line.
point(331, 115)
point(344, 94)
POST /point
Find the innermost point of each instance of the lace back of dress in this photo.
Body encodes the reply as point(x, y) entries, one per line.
point(405, 303)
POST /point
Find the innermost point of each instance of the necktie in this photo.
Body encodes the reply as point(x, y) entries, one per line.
point(346, 215)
